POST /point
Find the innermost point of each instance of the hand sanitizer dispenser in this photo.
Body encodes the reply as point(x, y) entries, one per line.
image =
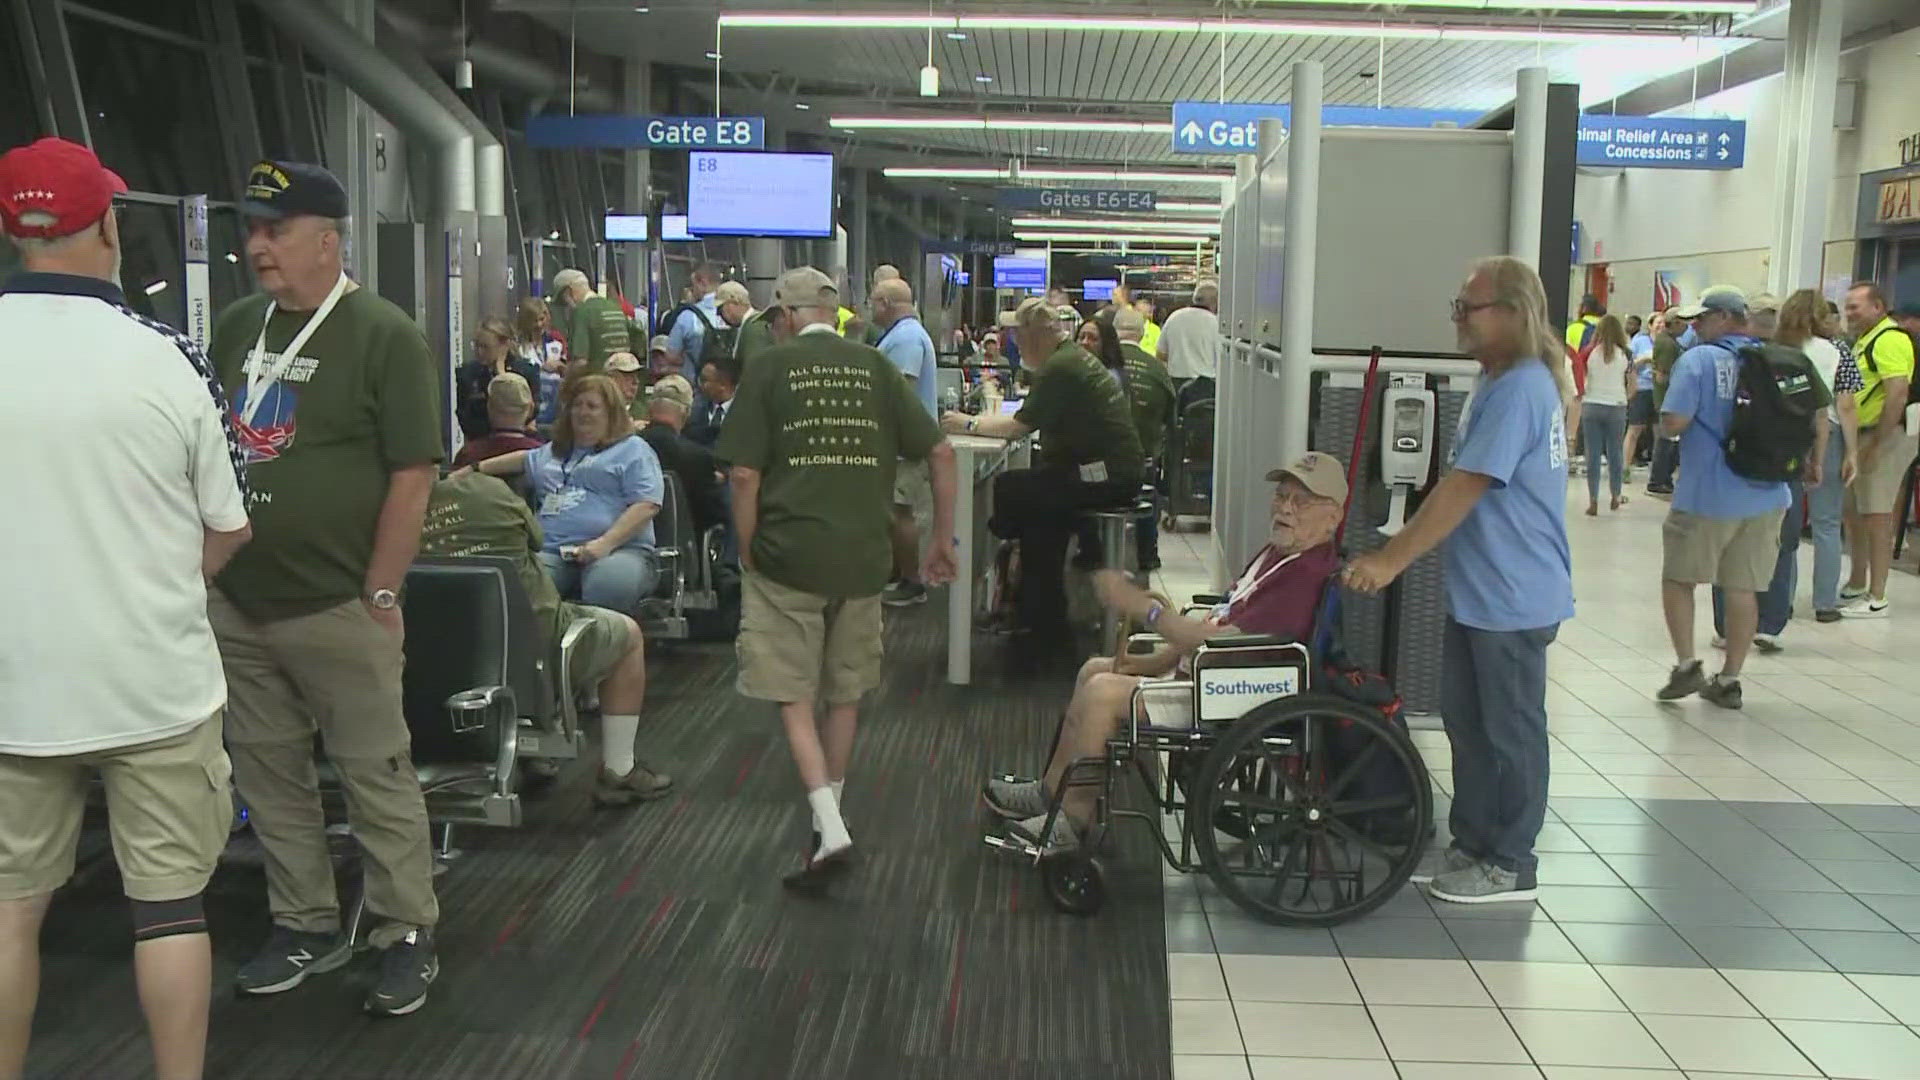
point(1406, 445)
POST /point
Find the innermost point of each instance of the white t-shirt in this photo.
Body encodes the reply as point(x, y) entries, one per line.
point(1606, 377)
point(1191, 339)
point(120, 460)
point(1826, 360)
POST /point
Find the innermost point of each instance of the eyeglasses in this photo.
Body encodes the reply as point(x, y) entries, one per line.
point(1461, 309)
point(1298, 500)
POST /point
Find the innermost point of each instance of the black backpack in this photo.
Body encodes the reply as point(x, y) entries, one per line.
point(718, 339)
point(1775, 402)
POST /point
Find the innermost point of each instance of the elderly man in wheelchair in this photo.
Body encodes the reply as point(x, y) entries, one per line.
point(1277, 596)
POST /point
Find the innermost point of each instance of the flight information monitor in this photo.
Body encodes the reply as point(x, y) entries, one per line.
point(674, 227)
point(760, 194)
point(626, 227)
point(1099, 288)
point(1015, 272)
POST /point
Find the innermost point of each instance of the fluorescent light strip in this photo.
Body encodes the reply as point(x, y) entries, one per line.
point(1136, 225)
point(1188, 207)
point(1426, 31)
point(1108, 238)
point(947, 173)
point(1653, 7)
point(999, 123)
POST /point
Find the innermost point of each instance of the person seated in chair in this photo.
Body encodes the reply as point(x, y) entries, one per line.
point(668, 403)
point(470, 513)
point(509, 415)
point(1278, 595)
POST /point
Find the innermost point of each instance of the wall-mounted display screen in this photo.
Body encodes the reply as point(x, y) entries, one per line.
point(1015, 272)
point(1099, 288)
point(674, 227)
point(760, 194)
point(626, 227)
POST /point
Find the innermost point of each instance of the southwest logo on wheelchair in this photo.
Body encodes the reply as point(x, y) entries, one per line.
point(1247, 686)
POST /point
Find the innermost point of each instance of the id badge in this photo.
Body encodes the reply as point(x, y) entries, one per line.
point(1093, 472)
point(1219, 614)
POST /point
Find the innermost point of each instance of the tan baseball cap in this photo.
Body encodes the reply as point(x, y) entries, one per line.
point(803, 286)
point(623, 361)
point(509, 390)
point(672, 388)
point(660, 343)
point(1323, 474)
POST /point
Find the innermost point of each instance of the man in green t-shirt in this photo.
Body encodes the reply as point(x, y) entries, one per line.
point(1666, 352)
point(472, 513)
point(1089, 457)
point(336, 405)
point(1151, 395)
point(813, 436)
point(595, 327)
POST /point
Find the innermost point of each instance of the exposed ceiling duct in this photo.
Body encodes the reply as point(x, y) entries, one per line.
point(441, 44)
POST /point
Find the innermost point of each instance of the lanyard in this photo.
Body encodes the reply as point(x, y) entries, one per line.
point(568, 466)
point(1248, 582)
point(264, 375)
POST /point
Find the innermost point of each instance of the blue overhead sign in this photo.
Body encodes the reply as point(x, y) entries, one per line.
point(967, 247)
point(1662, 142)
point(1211, 127)
point(1109, 200)
point(616, 132)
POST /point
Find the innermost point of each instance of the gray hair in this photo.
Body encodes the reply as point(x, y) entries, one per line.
point(1206, 295)
point(1129, 324)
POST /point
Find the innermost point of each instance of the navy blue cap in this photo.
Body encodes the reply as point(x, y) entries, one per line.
point(281, 189)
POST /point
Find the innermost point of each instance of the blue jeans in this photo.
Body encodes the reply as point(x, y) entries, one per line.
point(1776, 604)
point(1823, 506)
point(1604, 428)
point(618, 582)
point(1666, 455)
point(1493, 700)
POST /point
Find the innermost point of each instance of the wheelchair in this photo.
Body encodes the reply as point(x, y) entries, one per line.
point(1297, 789)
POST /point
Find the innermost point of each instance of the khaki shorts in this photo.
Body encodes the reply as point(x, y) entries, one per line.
point(913, 488)
point(169, 810)
point(601, 648)
point(795, 646)
point(1733, 553)
point(1877, 487)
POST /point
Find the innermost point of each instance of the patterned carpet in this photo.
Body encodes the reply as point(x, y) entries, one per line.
point(656, 942)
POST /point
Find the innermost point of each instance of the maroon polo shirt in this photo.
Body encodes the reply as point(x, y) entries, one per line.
point(495, 444)
point(1284, 602)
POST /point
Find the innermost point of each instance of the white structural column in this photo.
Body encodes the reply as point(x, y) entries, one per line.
point(350, 151)
point(1803, 181)
point(1300, 252)
point(1529, 165)
point(636, 196)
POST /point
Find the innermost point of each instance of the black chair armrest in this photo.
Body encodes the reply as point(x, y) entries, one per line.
point(1208, 599)
point(1246, 641)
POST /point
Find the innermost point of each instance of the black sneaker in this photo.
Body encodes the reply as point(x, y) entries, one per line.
point(288, 957)
point(904, 594)
point(1722, 691)
point(819, 871)
point(1828, 615)
point(1686, 679)
point(407, 968)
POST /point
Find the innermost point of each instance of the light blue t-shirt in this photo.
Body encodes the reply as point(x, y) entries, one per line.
point(1701, 388)
point(906, 344)
point(1508, 565)
point(1642, 348)
point(581, 496)
point(688, 335)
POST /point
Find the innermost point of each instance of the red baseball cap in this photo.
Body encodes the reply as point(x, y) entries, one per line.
point(60, 179)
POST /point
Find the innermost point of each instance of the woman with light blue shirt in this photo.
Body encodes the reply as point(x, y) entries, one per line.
point(1499, 517)
point(597, 487)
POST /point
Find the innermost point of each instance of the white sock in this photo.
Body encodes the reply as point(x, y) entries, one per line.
point(839, 789)
point(826, 811)
point(616, 743)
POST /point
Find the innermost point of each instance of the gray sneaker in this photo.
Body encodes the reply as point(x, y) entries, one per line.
point(1015, 798)
point(1686, 679)
point(1484, 883)
point(289, 957)
point(1435, 863)
point(1060, 838)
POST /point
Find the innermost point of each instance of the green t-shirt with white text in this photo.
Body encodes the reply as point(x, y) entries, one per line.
point(597, 329)
point(359, 402)
point(477, 514)
point(1151, 396)
point(1082, 416)
point(824, 420)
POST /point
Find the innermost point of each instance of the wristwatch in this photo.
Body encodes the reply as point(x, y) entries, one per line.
point(383, 599)
point(972, 422)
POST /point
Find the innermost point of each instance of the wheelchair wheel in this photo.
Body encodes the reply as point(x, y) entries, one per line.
point(1074, 882)
point(1334, 803)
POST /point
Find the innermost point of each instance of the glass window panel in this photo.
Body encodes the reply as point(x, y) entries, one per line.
point(19, 119)
point(149, 108)
point(151, 272)
point(227, 272)
point(181, 18)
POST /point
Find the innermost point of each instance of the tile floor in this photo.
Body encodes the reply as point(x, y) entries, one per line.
point(1723, 894)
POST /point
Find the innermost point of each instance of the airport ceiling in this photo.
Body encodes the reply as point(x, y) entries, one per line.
point(1443, 54)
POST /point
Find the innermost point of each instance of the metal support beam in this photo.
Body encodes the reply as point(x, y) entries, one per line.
point(49, 55)
point(1529, 165)
point(1301, 254)
point(1803, 177)
point(636, 192)
point(349, 139)
point(1556, 197)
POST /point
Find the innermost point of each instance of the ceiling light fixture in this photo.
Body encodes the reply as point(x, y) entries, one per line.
point(802, 106)
point(1000, 123)
point(983, 78)
point(1120, 224)
point(1188, 207)
point(956, 35)
point(917, 172)
point(1098, 238)
point(713, 56)
point(1431, 31)
point(1043, 150)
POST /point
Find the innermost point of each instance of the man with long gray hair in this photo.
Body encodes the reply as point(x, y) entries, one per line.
point(1499, 517)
